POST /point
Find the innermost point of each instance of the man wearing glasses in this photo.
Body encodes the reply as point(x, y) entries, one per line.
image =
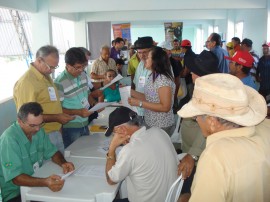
point(75, 97)
point(23, 148)
point(36, 85)
point(143, 46)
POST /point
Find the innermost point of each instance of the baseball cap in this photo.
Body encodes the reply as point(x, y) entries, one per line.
point(229, 45)
point(248, 42)
point(242, 57)
point(119, 116)
point(185, 42)
point(166, 45)
point(266, 44)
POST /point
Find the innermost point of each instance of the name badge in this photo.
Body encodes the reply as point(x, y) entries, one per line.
point(36, 166)
point(52, 94)
point(141, 81)
point(85, 103)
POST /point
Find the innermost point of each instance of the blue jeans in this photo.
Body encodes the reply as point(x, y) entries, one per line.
point(72, 134)
point(57, 140)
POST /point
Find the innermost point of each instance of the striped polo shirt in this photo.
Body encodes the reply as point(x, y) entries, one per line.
point(72, 91)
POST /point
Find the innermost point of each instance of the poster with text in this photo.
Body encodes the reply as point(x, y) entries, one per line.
point(122, 30)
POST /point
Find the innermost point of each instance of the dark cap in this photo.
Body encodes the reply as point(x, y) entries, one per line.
point(247, 42)
point(119, 116)
point(144, 42)
point(205, 63)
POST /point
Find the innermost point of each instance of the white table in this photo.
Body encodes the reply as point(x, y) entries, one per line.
point(92, 146)
point(76, 188)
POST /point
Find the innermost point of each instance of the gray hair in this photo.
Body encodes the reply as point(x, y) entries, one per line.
point(44, 51)
point(136, 121)
point(227, 123)
point(104, 47)
point(224, 122)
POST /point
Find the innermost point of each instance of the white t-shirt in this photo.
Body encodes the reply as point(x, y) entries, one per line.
point(149, 165)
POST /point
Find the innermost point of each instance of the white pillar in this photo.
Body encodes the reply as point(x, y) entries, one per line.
point(41, 26)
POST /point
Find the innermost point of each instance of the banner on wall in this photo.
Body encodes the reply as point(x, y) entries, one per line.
point(122, 30)
point(173, 30)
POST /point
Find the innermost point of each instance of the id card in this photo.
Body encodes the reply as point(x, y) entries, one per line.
point(141, 81)
point(52, 94)
point(36, 166)
point(85, 103)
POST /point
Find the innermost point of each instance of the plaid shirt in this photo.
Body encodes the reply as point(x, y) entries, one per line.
point(100, 67)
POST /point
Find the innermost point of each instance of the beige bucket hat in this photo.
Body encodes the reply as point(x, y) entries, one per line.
point(225, 96)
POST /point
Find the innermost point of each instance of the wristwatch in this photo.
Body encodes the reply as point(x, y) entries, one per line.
point(140, 104)
point(195, 158)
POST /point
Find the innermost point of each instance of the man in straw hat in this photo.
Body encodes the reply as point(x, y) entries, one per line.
point(235, 165)
point(193, 142)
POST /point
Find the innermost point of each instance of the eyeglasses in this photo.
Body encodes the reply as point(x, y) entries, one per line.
point(50, 67)
point(34, 125)
point(81, 68)
point(143, 52)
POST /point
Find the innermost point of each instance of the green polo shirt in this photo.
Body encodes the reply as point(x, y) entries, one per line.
point(72, 90)
point(18, 155)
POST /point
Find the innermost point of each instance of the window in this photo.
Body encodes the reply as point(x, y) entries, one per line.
point(239, 27)
point(216, 29)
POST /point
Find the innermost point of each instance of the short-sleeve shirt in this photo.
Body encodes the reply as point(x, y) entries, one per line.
point(18, 155)
point(133, 64)
point(158, 119)
point(100, 67)
point(249, 82)
point(149, 165)
point(141, 74)
point(115, 54)
point(73, 92)
point(112, 95)
point(35, 87)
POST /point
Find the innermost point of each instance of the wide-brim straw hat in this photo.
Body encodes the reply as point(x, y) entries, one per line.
point(225, 96)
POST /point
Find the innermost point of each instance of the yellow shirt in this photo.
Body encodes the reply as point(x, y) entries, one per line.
point(34, 87)
point(133, 64)
point(235, 166)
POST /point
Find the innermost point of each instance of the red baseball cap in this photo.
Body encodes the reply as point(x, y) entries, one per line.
point(267, 44)
point(185, 43)
point(242, 57)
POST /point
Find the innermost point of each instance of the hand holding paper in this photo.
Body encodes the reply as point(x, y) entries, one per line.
point(101, 105)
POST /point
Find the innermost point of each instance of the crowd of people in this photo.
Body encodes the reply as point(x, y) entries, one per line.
point(224, 126)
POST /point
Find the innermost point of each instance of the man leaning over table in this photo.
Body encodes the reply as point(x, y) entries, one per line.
point(75, 96)
point(23, 147)
point(148, 160)
point(36, 85)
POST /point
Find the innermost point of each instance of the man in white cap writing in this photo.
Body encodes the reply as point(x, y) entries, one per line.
point(235, 165)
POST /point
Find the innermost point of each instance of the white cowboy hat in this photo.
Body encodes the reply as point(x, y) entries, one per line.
point(225, 96)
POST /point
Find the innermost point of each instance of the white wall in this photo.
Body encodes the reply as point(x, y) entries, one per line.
point(255, 26)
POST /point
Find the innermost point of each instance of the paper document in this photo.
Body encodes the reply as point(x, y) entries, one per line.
point(101, 105)
point(117, 78)
point(91, 171)
point(66, 175)
point(125, 94)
